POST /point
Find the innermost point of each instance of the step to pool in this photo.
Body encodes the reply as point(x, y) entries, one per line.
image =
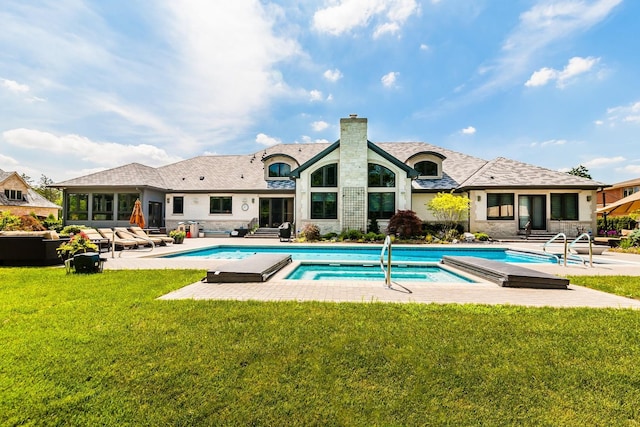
point(504, 274)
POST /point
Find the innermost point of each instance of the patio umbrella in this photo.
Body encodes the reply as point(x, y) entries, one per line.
point(137, 217)
point(623, 206)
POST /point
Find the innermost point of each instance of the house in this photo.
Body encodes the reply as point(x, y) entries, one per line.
point(617, 191)
point(17, 197)
point(336, 186)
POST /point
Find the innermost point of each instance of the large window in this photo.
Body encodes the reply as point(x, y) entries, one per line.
point(13, 194)
point(426, 168)
point(102, 207)
point(279, 170)
point(324, 205)
point(77, 206)
point(500, 206)
point(326, 176)
point(178, 205)
point(382, 205)
point(125, 204)
point(564, 206)
point(379, 176)
point(219, 205)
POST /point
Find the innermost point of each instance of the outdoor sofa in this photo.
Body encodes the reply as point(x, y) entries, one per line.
point(30, 248)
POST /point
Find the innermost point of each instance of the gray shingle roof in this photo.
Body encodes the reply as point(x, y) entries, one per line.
point(502, 172)
point(130, 175)
point(32, 199)
point(246, 172)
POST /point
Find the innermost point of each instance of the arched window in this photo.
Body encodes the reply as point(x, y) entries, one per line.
point(326, 176)
point(379, 176)
point(279, 170)
point(427, 168)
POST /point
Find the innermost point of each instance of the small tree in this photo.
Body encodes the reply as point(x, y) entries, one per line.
point(449, 209)
point(580, 171)
point(405, 224)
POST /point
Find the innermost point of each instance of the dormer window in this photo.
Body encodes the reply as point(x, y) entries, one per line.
point(13, 194)
point(279, 170)
point(427, 168)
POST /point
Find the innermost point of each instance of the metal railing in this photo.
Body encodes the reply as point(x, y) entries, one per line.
point(386, 247)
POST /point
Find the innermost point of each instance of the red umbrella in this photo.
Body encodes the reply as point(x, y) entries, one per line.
point(137, 217)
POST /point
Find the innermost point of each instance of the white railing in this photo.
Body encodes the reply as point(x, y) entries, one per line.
point(386, 247)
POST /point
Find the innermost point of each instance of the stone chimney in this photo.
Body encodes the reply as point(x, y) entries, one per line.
point(353, 152)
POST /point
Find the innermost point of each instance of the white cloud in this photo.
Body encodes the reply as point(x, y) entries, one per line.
point(549, 142)
point(424, 46)
point(602, 162)
point(546, 23)
point(624, 114)
point(7, 161)
point(386, 16)
point(599, 122)
point(574, 67)
point(470, 130)
point(541, 77)
point(630, 169)
point(308, 140)
point(107, 154)
point(389, 79)
point(319, 125)
point(267, 140)
point(315, 95)
point(387, 28)
point(14, 86)
point(333, 75)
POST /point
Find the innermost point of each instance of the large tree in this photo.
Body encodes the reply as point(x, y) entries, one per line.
point(52, 194)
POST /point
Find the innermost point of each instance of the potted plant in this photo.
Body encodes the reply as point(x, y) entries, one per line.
point(178, 236)
point(79, 243)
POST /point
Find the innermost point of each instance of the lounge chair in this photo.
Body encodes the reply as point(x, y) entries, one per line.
point(97, 238)
point(120, 243)
point(158, 239)
point(123, 233)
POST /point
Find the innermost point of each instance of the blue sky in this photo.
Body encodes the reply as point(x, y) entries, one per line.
point(89, 85)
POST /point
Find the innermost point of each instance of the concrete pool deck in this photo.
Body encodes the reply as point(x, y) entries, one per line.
point(483, 292)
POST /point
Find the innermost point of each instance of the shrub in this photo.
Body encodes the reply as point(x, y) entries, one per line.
point(9, 222)
point(69, 229)
point(634, 238)
point(371, 237)
point(52, 223)
point(30, 223)
point(311, 232)
point(373, 226)
point(330, 236)
point(354, 234)
point(78, 244)
point(405, 224)
point(483, 237)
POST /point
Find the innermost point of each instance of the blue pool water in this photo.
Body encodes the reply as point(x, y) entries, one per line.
point(400, 273)
point(363, 253)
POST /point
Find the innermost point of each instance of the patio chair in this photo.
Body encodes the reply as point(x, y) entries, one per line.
point(123, 233)
point(158, 239)
point(120, 243)
point(97, 238)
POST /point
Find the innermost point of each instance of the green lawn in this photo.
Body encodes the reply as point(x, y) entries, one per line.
point(101, 350)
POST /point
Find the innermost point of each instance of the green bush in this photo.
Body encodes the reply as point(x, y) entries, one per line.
point(372, 237)
point(9, 222)
point(52, 223)
point(616, 223)
point(75, 229)
point(373, 226)
point(330, 236)
point(634, 238)
point(483, 237)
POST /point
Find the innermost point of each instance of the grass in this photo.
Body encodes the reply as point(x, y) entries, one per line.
point(101, 350)
point(626, 286)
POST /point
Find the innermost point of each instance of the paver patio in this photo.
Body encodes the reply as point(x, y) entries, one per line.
point(483, 292)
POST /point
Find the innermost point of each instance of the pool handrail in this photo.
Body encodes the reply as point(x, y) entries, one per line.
point(588, 236)
point(386, 246)
point(564, 239)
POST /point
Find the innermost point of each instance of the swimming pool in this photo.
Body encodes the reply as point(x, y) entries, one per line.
point(403, 273)
point(368, 253)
